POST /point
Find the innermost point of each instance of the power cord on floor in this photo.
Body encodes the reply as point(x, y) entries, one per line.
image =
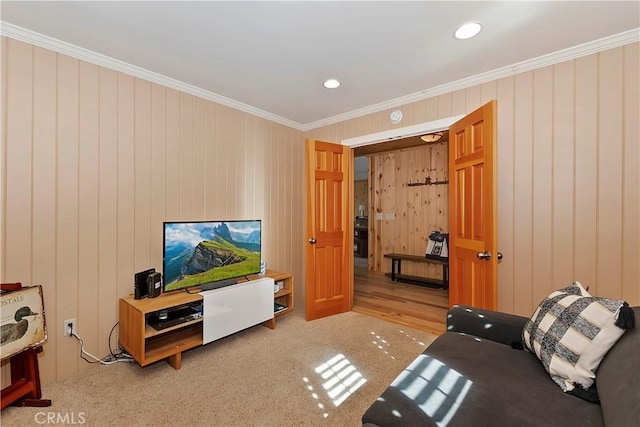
point(111, 358)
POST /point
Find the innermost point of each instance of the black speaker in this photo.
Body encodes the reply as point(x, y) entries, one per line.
point(140, 285)
point(154, 284)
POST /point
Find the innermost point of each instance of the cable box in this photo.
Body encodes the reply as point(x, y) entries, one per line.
point(278, 307)
point(160, 320)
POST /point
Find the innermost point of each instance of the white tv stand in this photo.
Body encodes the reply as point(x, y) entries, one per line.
point(234, 308)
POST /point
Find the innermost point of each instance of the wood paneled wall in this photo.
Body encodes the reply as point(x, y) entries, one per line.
point(409, 213)
point(568, 173)
point(360, 196)
point(95, 160)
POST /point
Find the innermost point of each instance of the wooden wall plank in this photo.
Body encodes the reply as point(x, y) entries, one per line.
point(199, 158)
point(5, 371)
point(472, 100)
point(361, 196)
point(542, 177)
point(631, 178)
point(402, 222)
point(67, 205)
point(142, 175)
point(445, 105)
point(248, 173)
point(186, 156)
point(274, 198)
point(88, 204)
point(266, 195)
point(488, 92)
point(126, 184)
point(610, 144)
point(419, 112)
point(44, 185)
point(158, 176)
point(563, 175)
point(432, 106)
point(285, 202)
point(4, 49)
point(18, 164)
point(523, 198)
point(586, 171)
point(210, 160)
point(220, 181)
point(506, 192)
point(172, 171)
point(108, 202)
point(232, 160)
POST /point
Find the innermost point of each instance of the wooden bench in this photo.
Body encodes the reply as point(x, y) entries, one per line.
point(396, 270)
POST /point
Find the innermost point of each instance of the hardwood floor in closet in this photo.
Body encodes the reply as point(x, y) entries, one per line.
point(416, 306)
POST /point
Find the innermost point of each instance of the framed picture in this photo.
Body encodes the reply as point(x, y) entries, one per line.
point(23, 322)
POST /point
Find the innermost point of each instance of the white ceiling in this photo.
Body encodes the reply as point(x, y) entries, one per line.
point(270, 58)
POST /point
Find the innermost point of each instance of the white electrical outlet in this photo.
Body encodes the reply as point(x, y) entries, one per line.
point(67, 330)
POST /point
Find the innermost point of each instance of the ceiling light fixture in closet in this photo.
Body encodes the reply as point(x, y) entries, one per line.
point(432, 137)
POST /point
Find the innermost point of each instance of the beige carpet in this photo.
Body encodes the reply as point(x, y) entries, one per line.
point(257, 377)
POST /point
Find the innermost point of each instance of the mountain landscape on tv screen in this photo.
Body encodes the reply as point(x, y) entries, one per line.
point(199, 253)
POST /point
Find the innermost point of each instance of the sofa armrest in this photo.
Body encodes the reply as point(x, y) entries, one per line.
point(492, 325)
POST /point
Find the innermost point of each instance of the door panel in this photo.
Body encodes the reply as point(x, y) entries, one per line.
point(473, 209)
point(329, 257)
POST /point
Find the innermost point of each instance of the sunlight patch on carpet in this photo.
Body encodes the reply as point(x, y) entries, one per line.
point(381, 344)
point(408, 335)
point(340, 379)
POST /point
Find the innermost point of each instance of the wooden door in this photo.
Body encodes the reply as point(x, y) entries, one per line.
point(473, 233)
point(329, 229)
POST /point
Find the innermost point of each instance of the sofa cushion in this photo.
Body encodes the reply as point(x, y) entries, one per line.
point(570, 332)
point(462, 380)
point(618, 380)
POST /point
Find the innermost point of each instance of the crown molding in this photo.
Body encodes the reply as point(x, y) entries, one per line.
point(574, 52)
point(37, 39)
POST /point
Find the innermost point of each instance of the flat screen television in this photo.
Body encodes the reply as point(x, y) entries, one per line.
point(210, 254)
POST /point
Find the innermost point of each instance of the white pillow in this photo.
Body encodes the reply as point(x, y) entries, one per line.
point(570, 332)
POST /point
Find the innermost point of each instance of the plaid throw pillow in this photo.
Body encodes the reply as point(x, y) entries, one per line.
point(571, 331)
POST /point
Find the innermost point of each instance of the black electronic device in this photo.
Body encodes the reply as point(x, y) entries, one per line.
point(167, 318)
point(279, 307)
point(154, 284)
point(140, 284)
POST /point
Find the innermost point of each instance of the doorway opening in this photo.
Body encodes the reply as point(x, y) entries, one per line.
point(392, 186)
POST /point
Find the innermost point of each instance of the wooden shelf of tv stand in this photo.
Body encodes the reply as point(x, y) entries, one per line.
point(148, 345)
point(284, 296)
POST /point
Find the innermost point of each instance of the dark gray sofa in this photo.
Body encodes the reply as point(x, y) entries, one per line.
point(471, 376)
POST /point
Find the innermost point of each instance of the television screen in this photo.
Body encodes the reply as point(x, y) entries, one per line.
point(209, 254)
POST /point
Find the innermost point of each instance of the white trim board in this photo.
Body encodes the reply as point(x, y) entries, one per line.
point(405, 132)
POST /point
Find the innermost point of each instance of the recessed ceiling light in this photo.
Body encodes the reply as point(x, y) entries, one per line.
point(331, 84)
point(468, 30)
